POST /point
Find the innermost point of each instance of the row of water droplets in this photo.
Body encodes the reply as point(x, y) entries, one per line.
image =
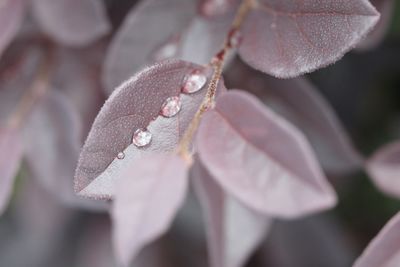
point(193, 82)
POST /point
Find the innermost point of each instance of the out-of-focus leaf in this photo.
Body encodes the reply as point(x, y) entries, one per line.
point(375, 37)
point(300, 103)
point(233, 230)
point(136, 104)
point(147, 28)
point(10, 159)
point(289, 38)
point(147, 198)
point(72, 22)
point(384, 169)
point(11, 17)
point(261, 159)
point(52, 140)
point(384, 249)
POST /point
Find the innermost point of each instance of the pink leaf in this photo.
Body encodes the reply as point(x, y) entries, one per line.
point(72, 22)
point(384, 249)
point(136, 104)
point(375, 37)
point(147, 198)
point(289, 38)
point(150, 25)
point(11, 17)
point(261, 159)
point(233, 231)
point(384, 169)
point(299, 102)
point(10, 159)
point(52, 143)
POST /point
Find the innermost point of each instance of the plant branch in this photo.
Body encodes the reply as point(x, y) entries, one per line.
point(217, 63)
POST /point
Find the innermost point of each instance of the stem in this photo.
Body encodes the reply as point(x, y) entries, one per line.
point(39, 87)
point(218, 63)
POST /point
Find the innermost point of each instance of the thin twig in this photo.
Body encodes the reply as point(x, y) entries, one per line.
point(218, 63)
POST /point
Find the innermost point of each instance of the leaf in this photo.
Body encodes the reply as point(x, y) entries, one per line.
point(136, 104)
point(147, 198)
point(52, 141)
point(11, 17)
point(384, 169)
point(289, 38)
point(299, 102)
point(261, 159)
point(384, 248)
point(233, 230)
point(72, 22)
point(10, 160)
point(149, 25)
point(376, 36)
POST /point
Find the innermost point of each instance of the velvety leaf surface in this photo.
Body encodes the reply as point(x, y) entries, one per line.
point(10, 159)
point(52, 141)
point(11, 16)
point(288, 38)
point(147, 28)
point(384, 249)
point(147, 198)
point(262, 159)
point(384, 169)
point(375, 37)
point(298, 101)
point(136, 104)
point(233, 230)
point(72, 22)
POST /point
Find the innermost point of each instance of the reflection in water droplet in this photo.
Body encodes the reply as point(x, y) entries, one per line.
point(194, 82)
point(141, 138)
point(171, 106)
point(121, 155)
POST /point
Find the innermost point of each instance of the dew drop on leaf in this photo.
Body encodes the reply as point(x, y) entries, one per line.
point(235, 38)
point(171, 106)
point(121, 155)
point(141, 138)
point(167, 50)
point(194, 82)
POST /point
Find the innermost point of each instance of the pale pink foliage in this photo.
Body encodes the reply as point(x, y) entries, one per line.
point(384, 169)
point(241, 143)
point(384, 249)
point(289, 38)
point(147, 198)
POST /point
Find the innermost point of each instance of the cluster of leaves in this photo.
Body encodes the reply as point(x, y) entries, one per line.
point(250, 162)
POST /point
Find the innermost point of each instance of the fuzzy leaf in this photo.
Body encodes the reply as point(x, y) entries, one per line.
point(384, 249)
point(149, 25)
point(136, 104)
point(289, 38)
point(147, 198)
point(233, 230)
point(52, 140)
point(384, 169)
point(72, 22)
point(11, 17)
point(261, 159)
point(299, 102)
point(10, 159)
point(375, 37)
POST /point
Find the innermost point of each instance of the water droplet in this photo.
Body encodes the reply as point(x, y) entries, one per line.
point(171, 106)
point(141, 138)
point(273, 25)
point(121, 155)
point(194, 82)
